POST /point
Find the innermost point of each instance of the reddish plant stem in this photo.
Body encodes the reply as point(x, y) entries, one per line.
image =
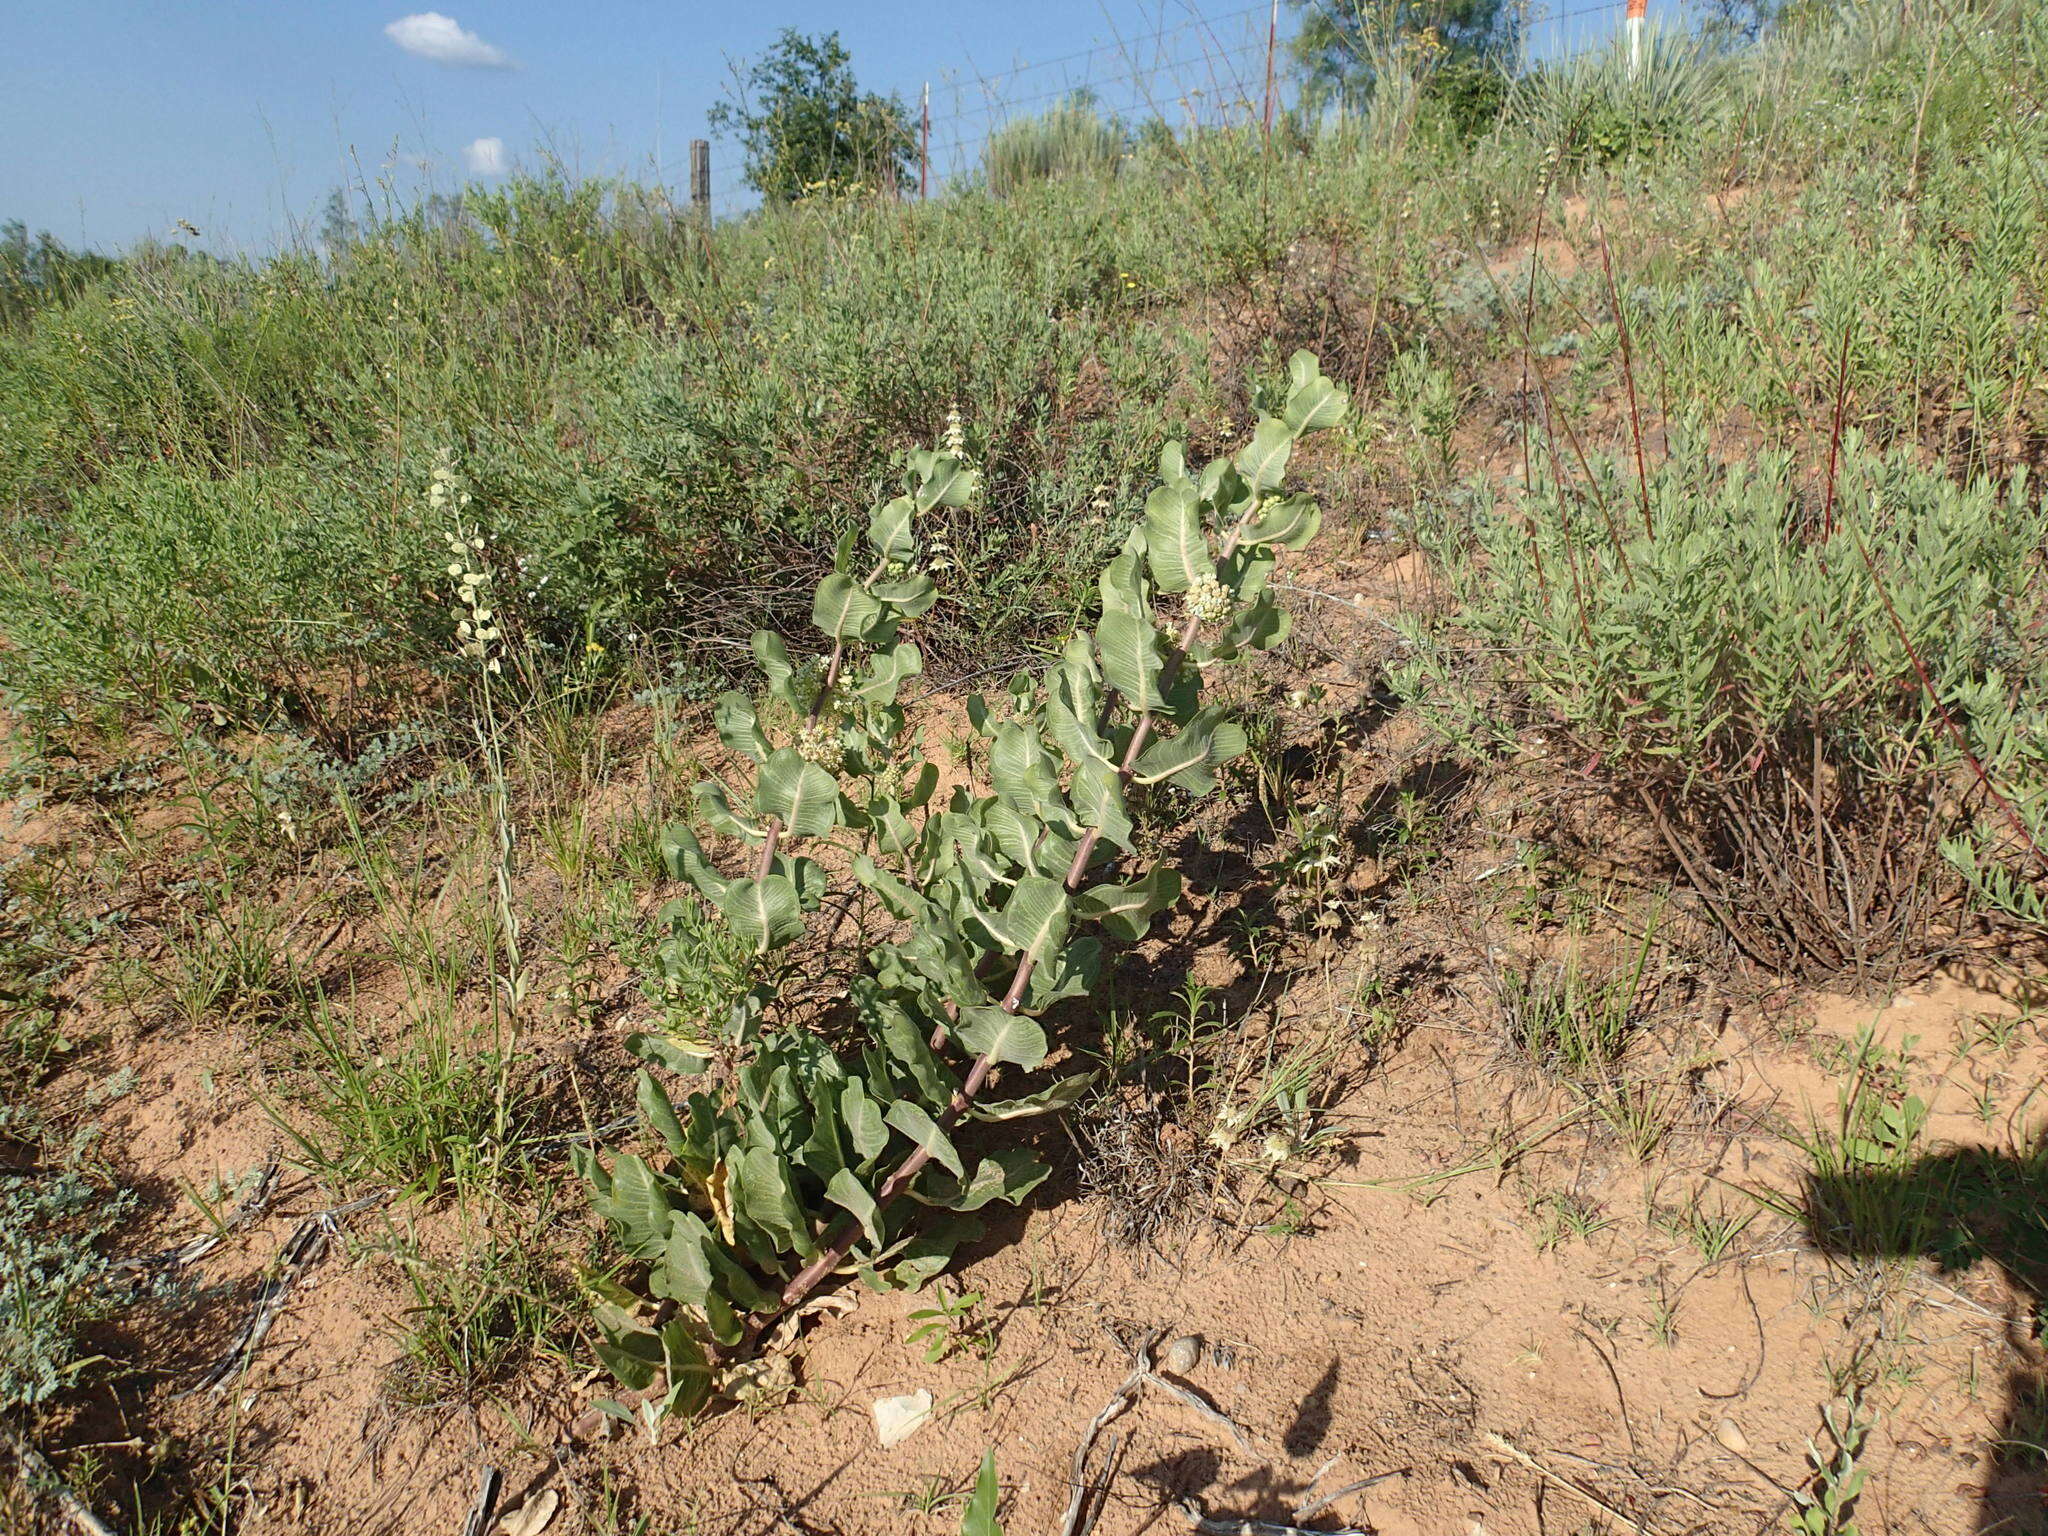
point(1628, 373)
point(764, 862)
point(1827, 511)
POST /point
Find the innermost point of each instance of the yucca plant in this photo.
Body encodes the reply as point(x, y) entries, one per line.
point(793, 1171)
point(1601, 106)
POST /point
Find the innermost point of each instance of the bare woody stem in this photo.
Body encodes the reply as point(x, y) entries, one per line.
point(835, 1252)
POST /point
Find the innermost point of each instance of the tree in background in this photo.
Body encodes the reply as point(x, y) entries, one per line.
point(1343, 46)
point(40, 269)
point(807, 126)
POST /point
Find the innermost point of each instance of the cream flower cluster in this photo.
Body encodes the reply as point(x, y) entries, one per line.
point(1208, 601)
point(479, 631)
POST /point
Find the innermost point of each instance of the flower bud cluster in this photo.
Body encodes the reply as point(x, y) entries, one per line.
point(479, 630)
point(1208, 601)
point(817, 741)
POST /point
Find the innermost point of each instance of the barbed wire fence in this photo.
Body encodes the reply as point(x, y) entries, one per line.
point(1190, 71)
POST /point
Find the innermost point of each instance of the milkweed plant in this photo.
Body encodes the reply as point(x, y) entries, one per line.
point(803, 1164)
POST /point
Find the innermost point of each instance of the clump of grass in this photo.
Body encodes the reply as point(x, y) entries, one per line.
point(1603, 106)
point(1869, 1190)
point(1571, 1018)
point(474, 1318)
point(425, 1109)
point(1070, 139)
point(232, 965)
point(1562, 1217)
point(1713, 1231)
point(1196, 1109)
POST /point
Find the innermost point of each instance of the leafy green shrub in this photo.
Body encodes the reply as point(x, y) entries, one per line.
point(807, 126)
point(1788, 683)
point(789, 1169)
point(40, 271)
point(1069, 139)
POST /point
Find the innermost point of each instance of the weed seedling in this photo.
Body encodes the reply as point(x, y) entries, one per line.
point(952, 1326)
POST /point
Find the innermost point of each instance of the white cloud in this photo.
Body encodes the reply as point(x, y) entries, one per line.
point(430, 35)
point(485, 157)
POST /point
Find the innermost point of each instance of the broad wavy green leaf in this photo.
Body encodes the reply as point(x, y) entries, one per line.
point(1121, 583)
point(1189, 756)
point(1133, 655)
point(633, 1355)
point(687, 1260)
point(1008, 1175)
point(689, 1370)
point(1003, 1037)
point(1314, 404)
point(862, 1117)
point(1045, 1101)
point(737, 727)
point(887, 671)
point(842, 608)
point(943, 481)
point(683, 856)
point(845, 1190)
point(636, 1206)
point(1070, 973)
point(769, 1200)
point(1175, 542)
point(772, 656)
point(1127, 910)
point(763, 913)
point(911, 596)
point(659, 1114)
point(924, 1131)
point(891, 532)
point(1263, 461)
point(1022, 771)
point(1097, 794)
point(1033, 920)
point(1289, 522)
point(718, 812)
point(800, 794)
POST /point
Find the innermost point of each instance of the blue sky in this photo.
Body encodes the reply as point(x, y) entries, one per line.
point(240, 117)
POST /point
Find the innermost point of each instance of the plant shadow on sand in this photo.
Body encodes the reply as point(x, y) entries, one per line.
point(1957, 1208)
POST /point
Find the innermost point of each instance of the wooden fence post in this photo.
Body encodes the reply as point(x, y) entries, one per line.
point(700, 179)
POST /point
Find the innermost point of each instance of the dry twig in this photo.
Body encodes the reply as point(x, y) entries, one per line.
point(1230, 1525)
point(307, 1242)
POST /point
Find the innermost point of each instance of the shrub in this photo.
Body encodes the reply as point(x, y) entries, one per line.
point(1788, 682)
point(809, 128)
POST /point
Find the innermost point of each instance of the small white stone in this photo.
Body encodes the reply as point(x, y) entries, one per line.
point(898, 1418)
point(1731, 1437)
point(1182, 1355)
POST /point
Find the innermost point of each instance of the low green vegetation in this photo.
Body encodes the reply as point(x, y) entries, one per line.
point(506, 682)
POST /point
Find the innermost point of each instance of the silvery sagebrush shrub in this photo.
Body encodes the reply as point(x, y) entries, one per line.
point(788, 1172)
point(1751, 660)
